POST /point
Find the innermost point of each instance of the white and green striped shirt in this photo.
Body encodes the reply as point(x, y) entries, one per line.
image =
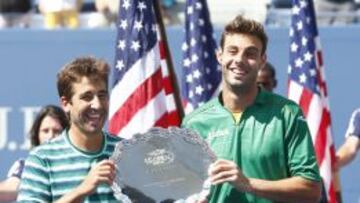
point(57, 167)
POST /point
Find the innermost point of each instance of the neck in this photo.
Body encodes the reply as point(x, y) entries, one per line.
point(237, 101)
point(85, 141)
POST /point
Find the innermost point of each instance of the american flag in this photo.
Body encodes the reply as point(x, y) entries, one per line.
point(201, 74)
point(142, 95)
point(307, 87)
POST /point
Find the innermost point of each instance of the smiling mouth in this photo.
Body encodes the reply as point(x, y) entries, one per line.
point(238, 71)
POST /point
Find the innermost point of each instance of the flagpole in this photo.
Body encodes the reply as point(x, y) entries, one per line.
point(169, 62)
point(337, 187)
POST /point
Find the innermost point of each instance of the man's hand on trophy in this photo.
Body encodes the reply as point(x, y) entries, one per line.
point(222, 171)
point(102, 172)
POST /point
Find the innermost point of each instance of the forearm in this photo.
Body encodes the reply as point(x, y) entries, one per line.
point(8, 189)
point(345, 156)
point(348, 151)
point(295, 189)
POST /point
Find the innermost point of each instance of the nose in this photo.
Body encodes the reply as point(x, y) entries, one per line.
point(239, 58)
point(96, 102)
point(52, 133)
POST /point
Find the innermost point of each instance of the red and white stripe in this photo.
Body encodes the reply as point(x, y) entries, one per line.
point(317, 112)
point(144, 97)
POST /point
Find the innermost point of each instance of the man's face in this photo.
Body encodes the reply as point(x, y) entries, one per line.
point(265, 80)
point(88, 107)
point(240, 60)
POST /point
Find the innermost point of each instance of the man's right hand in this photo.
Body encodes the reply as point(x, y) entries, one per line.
point(102, 172)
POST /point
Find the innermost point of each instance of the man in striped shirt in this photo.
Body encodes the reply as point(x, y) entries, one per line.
point(74, 167)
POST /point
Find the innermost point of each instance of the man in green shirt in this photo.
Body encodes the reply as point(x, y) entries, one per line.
point(262, 141)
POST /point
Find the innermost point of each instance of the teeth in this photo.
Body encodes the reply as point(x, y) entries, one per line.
point(238, 71)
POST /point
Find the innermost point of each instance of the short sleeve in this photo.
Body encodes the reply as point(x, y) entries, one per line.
point(16, 169)
point(354, 124)
point(35, 183)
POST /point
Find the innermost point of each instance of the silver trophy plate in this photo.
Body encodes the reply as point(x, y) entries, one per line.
point(161, 165)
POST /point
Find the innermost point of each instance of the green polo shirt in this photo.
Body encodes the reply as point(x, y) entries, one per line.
point(271, 141)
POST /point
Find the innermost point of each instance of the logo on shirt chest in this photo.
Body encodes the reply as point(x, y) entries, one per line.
point(217, 133)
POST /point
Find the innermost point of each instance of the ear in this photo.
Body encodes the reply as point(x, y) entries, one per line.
point(263, 59)
point(65, 104)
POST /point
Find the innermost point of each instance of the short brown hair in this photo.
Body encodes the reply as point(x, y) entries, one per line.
point(241, 25)
point(90, 67)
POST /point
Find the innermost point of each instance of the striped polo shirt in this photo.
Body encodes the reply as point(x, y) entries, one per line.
point(57, 167)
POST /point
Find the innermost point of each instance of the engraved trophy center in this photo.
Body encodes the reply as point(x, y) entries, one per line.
point(161, 165)
point(159, 157)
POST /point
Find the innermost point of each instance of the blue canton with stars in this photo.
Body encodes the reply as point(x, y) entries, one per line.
point(303, 32)
point(136, 34)
point(200, 74)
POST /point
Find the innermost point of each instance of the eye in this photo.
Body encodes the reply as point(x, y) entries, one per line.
point(45, 130)
point(103, 95)
point(87, 97)
point(252, 53)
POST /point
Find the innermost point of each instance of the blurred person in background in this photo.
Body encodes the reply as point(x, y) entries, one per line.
point(165, 6)
point(108, 10)
point(335, 12)
point(60, 13)
point(15, 13)
point(266, 78)
point(49, 122)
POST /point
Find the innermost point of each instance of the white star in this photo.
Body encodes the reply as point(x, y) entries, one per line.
point(209, 86)
point(206, 54)
point(296, 10)
point(121, 44)
point(141, 6)
point(120, 64)
point(299, 25)
point(187, 62)
point(189, 78)
point(303, 4)
point(138, 25)
point(312, 72)
point(201, 103)
point(201, 22)
point(191, 94)
point(192, 26)
point(192, 42)
point(302, 78)
point(304, 41)
point(123, 24)
point(199, 90)
point(154, 28)
point(135, 45)
point(184, 46)
point(308, 20)
point(194, 58)
point(207, 70)
point(198, 5)
point(308, 56)
point(204, 38)
point(190, 10)
point(291, 32)
point(289, 69)
point(299, 62)
point(294, 47)
point(196, 74)
point(126, 4)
